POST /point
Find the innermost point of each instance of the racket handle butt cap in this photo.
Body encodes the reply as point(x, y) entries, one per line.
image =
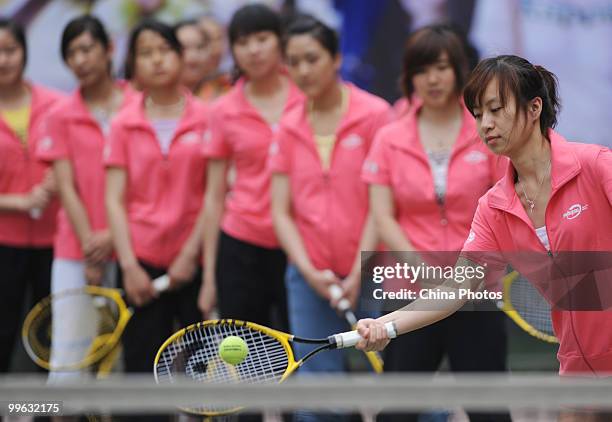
point(336, 292)
point(161, 283)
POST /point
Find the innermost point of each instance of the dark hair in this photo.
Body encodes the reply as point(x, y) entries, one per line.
point(518, 77)
point(424, 48)
point(18, 33)
point(163, 30)
point(254, 18)
point(192, 22)
point(308, 25)
point(77, 26)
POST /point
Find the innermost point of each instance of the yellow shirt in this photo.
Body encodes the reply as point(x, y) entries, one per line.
point(18, 120)
point(325, 143)
point(325, 146)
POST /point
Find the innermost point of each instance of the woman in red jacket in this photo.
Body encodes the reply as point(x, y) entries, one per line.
point(244, 262)
point(78, 129)
point(27, 205)
point(555, 199)
point(155, 178)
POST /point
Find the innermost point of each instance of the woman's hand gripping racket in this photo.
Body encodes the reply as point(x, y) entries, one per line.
point(93, 320)
point(266, 356)
point(344, 307)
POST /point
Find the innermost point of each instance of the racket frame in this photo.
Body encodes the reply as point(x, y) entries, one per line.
point(507, 306)
point(110, 347)
point(97, 355)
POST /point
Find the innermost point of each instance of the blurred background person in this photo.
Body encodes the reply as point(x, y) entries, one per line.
point(78, 129)
point(28, 206)
point(155, 179)
point(319, 203)
point(245, 269)
point(216, 80)
point(195, 44)
point(245, 264)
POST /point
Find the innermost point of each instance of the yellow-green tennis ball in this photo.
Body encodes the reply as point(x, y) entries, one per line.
point(233, 350)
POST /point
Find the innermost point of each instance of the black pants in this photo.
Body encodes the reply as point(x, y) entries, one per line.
point(251, 287)
point(152, 324)
point(23, 270)
point(251, 283)
point(474, 341)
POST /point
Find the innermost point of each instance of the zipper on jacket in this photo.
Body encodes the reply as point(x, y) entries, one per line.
point(28, 162)
point(328, 206)
point(166, 185)
point(443, 219)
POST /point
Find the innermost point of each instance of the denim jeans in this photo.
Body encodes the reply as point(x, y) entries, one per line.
point(311, 316)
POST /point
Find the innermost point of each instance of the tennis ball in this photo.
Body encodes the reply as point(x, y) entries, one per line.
point(233, 350)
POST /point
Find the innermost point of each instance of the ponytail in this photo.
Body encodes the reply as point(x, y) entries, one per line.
point(550, 100)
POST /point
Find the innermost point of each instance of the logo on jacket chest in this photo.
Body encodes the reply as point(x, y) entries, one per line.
point(190, 138)
point(574, 211)
point(351, 142)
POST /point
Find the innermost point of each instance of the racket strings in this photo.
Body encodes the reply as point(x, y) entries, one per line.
point(531, 306)
point(196, 355)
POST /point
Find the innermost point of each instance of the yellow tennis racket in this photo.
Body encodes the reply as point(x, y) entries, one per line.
point(93, 320)
point(193, 353)
point(524, 304)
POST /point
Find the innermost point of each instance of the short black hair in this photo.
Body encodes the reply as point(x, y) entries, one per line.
point(17, 31)
point(254, 18)
point(308, 25)
point(424, 47)
point(77, 26)
point(167, 32)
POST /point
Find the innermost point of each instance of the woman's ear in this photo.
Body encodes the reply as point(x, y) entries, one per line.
point(338, 62)
point(535, 109)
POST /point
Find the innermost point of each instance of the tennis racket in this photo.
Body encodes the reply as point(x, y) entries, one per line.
point(193, 353)
point(524, 304)
point(94, 319)
point(344, 307)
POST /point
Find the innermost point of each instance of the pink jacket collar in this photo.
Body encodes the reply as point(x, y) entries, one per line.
point(42, 99)
point(134, 115)
point(565, 166)
point(297, 122)
point(78, 109)
point(411, 142)
point(239, 98)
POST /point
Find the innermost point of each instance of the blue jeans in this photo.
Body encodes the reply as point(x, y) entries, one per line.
point(311, 316)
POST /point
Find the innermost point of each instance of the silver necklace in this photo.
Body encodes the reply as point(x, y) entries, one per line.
point(531, 202)
point(105, 110)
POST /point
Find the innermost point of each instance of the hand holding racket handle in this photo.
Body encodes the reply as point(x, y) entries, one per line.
point(351, 338)
point(161, 283)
